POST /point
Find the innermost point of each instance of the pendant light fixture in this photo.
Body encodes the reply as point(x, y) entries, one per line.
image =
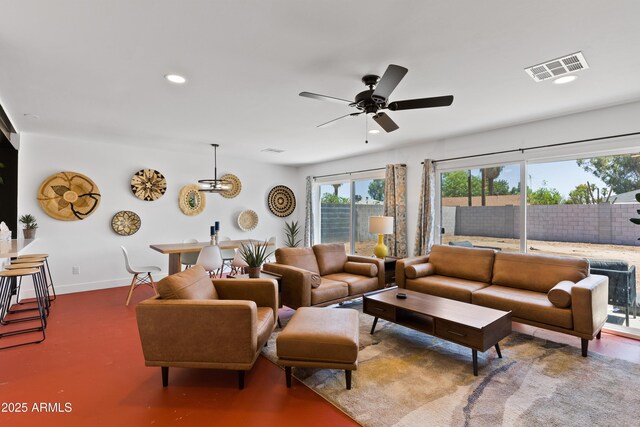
point(214, 185)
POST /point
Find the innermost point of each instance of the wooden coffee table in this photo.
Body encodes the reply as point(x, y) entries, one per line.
point(473, 326)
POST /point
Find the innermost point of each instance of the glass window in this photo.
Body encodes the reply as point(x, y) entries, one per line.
point(481, 207)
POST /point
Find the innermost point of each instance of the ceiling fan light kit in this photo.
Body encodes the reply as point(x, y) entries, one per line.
point(376, 98)
point(214, 185)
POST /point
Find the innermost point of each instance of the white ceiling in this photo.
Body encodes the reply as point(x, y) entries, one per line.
point(94, 69)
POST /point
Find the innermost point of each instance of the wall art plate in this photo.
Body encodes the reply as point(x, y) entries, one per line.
point(148, 184)
point(69, 196)
point(126, 223)
point(191, 201)
point(236, 186)
point(281, 200)
point(247, 220)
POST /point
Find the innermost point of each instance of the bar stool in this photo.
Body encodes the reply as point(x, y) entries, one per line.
point(6, 279)
point(46, 262)
point(15, 288)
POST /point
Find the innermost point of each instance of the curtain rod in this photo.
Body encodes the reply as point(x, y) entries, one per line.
point(522, 150)
point(352, 172)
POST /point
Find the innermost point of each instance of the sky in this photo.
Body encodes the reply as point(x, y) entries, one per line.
point(564, 176)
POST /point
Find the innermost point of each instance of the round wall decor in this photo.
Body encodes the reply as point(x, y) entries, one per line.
point(148, 184)
point(282, 201)
point(247, 220)
point(69, 196)
point(191, 201)
point(126, 223)
point(236, 186)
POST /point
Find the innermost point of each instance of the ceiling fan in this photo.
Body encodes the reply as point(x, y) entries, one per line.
point(376, 98)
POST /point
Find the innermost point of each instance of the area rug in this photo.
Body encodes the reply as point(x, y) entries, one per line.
point(406, 378)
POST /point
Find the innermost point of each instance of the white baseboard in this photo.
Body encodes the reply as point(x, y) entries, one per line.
point(72, 288)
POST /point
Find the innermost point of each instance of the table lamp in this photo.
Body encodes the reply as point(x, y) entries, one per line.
point(381, 225)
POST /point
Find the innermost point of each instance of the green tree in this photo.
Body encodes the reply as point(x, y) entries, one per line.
point(334, 199)
point(585, 194)
point(501, 187)
point(620, 173)
point(376, 189)
point(491, 174)
point(543, 196)
point(456, 184)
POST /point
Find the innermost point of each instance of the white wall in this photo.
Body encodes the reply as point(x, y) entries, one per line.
point(619, 119)
point(91, 244)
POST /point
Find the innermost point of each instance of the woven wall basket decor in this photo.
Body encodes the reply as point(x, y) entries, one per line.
point(69, 196)
point(247, 220)
point(126, 223)
point(191, 201)
point(281, 200)
point(148, 184)
point(236, 186)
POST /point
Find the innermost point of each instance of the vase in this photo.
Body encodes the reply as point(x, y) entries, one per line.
point(254, 272)
point(29, 233)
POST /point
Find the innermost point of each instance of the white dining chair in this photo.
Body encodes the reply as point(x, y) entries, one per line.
point(189, 258)
point(238, 264)
point(211, 259)
point(227, 254)
point(271, 248)
point(137, 280)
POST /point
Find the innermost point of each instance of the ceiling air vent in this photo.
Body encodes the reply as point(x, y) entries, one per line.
point(558, 67)
point(272, 150)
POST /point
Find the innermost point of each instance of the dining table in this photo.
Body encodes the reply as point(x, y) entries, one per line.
point(174, 250)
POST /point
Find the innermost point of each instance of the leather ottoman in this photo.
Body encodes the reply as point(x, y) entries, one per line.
point(320, 338)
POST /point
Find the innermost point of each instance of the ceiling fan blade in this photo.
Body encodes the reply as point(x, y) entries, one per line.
point(341, 117)
point(388, 82)
point(411, 104)
point(385, 122)
point(323, 97)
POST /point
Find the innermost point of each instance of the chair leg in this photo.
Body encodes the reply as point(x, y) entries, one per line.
point(347, 374)
point(153, 284)
point(585, 346)
point(287, 375)
point(165, 376)
point(599, 334)
point(241, 380)
point(133, 285)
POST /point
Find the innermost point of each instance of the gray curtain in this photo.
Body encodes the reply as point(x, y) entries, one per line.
point(308, 213)
point(395, 205)
point(425, 233)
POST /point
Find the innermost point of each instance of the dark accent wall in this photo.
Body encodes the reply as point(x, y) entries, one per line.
point(9, 187)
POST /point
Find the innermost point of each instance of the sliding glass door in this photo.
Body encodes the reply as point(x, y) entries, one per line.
point(345, 208)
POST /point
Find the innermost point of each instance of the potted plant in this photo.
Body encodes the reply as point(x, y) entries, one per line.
point(30, 226)
point(254, 254)
point(291, 231)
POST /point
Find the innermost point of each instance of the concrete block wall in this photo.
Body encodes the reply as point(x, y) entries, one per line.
point(335, 222)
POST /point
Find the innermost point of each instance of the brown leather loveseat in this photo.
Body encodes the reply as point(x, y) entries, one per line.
point(324, 275)
point(550, 292)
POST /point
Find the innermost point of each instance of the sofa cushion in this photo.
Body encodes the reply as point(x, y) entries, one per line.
point(361, 268)
point(329, 290)
point(560, 294)
point(537, 273)
point(446, 287)
point(331, 258)
point(527, 305)
point(466, 263)
point(419, 270)
point(357, 284)
point(303, 258)
point(193, 283)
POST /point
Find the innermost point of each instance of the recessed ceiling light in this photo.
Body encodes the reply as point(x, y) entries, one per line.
point(374, 131)
point(175, 78)
point(564, 79)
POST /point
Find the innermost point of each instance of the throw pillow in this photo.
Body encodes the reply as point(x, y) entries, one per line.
point(419, 270)
point(193, 283)
point(361, 268)
point(560, 294)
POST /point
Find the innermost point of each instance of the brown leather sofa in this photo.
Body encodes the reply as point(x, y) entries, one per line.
point(198, 322)
point(550, 292)
point(324, 275)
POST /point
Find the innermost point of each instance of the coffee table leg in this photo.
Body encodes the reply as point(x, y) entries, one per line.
point(498, 351)
point(475, 362)
point(375, 322)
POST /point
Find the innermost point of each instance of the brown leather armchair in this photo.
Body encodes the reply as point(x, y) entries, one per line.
point(198, 322)
point(324, 275)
